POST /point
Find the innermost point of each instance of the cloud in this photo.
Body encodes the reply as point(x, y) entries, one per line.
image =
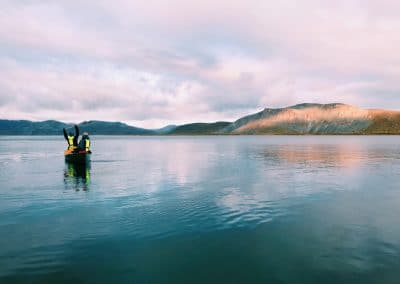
point(154, 63)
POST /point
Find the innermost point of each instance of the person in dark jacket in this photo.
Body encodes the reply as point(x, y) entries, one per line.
point(84, 144)
point(71, 138)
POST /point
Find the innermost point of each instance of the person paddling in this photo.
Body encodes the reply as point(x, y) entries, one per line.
point(71, 138)
point(84, 144)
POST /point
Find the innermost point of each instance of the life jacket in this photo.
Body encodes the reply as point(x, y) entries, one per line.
point(87, 144)
point(71, 142)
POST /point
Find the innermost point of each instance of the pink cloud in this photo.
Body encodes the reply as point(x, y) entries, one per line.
point(155, 62)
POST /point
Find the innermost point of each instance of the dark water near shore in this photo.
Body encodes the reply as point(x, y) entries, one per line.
point(260, 209)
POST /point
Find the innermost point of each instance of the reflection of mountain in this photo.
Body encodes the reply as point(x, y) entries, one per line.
point(313, 155)
point(77, 176)
point(298, 119)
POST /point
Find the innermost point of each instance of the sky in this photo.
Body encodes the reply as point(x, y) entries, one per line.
point(153, 63)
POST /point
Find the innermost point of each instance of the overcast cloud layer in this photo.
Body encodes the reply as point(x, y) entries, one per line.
point(152, 63)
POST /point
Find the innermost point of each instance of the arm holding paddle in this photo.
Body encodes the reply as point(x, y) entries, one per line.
point(76, 135)
point(71, 138)
point(65, 134)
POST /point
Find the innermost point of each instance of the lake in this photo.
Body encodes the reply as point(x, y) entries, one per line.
point(206, 209)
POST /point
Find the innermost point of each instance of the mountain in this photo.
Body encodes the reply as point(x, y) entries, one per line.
point(200, 128)
point(299, 119)
point(112, 128)
point(51, 127)
point(303, 119)
point(165, 130)
point(25, 127)
point(383, 122)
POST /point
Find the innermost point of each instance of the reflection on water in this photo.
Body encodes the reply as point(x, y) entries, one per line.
point(77, 176)
point(202, 210)
point(348, 155)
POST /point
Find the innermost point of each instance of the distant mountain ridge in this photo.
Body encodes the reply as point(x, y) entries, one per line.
point(51, 127)
point(26, 127)
point(301, 119)
point(112, 128)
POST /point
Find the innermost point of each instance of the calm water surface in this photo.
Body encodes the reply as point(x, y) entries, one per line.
point(265, 209)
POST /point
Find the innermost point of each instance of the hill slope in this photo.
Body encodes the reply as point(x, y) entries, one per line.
point(51, 127)
point(25, 127)
point(200, 128)
point(112, 128)
point(306, 119)
point(383, 122)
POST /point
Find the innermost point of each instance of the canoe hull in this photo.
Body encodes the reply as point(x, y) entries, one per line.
point(81, 157)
